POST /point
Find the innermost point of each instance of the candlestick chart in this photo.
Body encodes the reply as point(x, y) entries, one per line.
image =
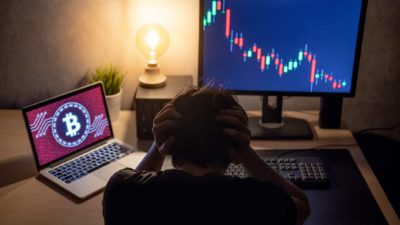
point(253, 53)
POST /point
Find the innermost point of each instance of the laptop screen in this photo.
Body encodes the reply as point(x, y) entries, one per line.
point(68, 123)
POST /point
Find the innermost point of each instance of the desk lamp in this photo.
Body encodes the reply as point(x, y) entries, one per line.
point(152, 40)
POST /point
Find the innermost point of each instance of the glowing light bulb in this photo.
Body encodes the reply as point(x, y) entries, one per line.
point(152, 41)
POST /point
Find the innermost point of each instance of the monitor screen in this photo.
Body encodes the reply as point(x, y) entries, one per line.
point(64, 125)
point(303, 47)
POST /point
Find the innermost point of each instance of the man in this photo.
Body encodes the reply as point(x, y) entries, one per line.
point(204, 130)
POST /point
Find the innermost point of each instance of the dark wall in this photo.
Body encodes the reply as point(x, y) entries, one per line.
point(377, 101)
point(48, 46)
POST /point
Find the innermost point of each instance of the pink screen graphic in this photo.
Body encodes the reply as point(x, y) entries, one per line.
point(68, 125)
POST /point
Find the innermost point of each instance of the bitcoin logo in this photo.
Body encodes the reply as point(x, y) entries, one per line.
point(73, 126)
point(70, 124)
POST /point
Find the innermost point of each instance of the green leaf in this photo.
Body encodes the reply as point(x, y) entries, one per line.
point(110, 76)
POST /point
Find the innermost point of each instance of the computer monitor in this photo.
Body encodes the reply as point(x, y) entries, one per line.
point(281, 47)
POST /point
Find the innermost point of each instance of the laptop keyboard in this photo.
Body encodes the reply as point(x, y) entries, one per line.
point(82, 166)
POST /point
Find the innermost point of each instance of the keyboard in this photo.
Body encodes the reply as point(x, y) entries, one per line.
point(85, 164)
point(304, 172)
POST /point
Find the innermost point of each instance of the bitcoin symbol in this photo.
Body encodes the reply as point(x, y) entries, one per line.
point(73, 126)
point(76, 119)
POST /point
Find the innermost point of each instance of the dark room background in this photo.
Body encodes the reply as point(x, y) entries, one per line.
point(48, 46)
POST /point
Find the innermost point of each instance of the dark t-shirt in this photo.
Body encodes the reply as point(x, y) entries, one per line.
point(177, 197)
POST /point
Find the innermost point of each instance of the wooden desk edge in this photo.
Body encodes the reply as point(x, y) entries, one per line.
point(344, 139)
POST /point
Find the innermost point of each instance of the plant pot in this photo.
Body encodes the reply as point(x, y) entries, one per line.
point(114, 105)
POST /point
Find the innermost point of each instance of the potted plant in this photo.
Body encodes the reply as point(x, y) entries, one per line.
point(112, 80)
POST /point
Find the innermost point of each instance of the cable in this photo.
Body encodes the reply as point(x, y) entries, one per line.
point(313, 148)
point(378, 128)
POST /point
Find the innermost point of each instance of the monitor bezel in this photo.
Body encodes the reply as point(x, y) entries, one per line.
point(356, 64)
point(34, 106)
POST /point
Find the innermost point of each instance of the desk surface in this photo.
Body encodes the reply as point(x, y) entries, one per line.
point(26, 200)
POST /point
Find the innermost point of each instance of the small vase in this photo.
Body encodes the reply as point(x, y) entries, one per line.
point(114, 105)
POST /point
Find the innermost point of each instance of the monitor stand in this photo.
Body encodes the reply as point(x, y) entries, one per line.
point(271, 125)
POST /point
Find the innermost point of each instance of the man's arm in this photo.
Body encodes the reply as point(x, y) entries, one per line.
point(163, 125)
point(153, 160)
point(236, 129)
point(258, 169)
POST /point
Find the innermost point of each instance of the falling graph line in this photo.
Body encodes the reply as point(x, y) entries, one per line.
point(267, 60)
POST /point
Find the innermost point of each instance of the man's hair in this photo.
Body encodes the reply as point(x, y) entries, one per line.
point(199, 137)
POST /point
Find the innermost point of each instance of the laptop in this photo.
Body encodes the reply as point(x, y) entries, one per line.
point(73, 141)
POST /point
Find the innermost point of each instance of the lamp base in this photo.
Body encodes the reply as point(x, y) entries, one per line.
point(152, 77)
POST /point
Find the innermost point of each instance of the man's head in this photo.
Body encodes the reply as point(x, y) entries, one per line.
point(199, 137)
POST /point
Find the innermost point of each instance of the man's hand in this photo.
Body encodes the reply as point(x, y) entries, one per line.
point(236, 129)
point(164, 124)
point(235, 123)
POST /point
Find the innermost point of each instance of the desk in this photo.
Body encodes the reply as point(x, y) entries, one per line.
point(26, 200)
